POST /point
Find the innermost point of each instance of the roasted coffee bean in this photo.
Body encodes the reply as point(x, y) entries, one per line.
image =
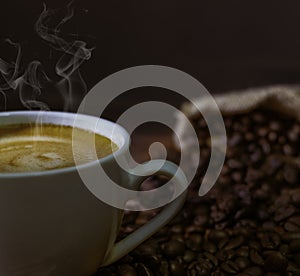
point(293, 224)
point(177, 229)
point(293, 268)
point(178, 237)
point(295, 197)
point(289, 236)
point(194, 242)
point(242, 262)
point(143, 270)
point(243, 251)
point(262, 131)
point(284, 249)
point(290, 174)
point(256, 258)
point(153, 261)
point(217, 235)
point(253, 175)
point(295, 245)
point(234, 243)
point(297, 258)
point(189, 256)
point(234, 164)
point(230, 267)
point(272, 164)
point(255, 245)
point(253, 271)
point(275, 261)
point(287, 149)
point(146, 249)
point(211, 258)
point(209, 247)
point(218, 273)
point(199, 268)
point(201, 219)
point(164, 269)
point(223, 242)
point(284, 212)
point(126, 270)
point(173, 248)
point(176, 268)
point(256, 156)
point(269, 240)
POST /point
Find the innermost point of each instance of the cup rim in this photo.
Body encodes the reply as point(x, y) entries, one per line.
point(69, 115)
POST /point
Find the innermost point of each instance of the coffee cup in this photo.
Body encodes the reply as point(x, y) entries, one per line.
point(51, 222)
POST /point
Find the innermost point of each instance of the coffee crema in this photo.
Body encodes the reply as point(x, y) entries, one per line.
point(41, 147)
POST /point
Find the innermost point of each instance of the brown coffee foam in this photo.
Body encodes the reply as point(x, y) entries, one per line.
point(27, 148)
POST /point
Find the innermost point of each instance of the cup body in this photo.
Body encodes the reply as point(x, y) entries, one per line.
point(51, 224)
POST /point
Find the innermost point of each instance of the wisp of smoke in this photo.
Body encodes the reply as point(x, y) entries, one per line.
point(29, 83)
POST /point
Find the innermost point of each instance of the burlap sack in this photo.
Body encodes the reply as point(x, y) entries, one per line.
point(282, 99)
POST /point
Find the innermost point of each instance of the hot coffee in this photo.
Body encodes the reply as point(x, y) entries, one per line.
point(40, 147)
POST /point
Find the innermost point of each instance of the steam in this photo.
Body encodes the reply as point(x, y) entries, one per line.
point(29, 83)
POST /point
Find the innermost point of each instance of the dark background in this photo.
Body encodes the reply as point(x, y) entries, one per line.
point(226, 45)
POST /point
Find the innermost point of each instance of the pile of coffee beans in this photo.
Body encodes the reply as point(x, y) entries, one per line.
point(248, 224)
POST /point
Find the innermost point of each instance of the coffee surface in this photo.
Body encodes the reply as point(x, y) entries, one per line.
point(31, 148)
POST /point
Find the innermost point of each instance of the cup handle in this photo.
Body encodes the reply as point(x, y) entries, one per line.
point(124, 246)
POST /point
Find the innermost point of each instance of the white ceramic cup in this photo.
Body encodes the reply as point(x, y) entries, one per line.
point(51, 224)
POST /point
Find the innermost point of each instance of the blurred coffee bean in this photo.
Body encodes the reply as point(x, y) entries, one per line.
point(242, 262)
point(172, 248)
point(176, 268)
point(164, 269)
point(255, 245)
point(209, 247)
point(199, 268)
point(253, 271)
point(177, 229)
point(211, 258)
point(275, 261)
point(293, 224)
point(293, 269)
point(146, 249)
point(295, 197)
point(262, 131)
point(275, 126)
point(217, 235)
point(106, 272)
point(256, 156)
point(194, 242)
point(143, 270)
point(272, 137)
point(153, 261)
point(289, 236)
point(297, 258)
point(230, 267)
point(234, 243)
point(290, 174)
point(287, 149)
point(243, 251)
point(284, 212)
point(189, 256)
point(272, 164)
point(256, 258)
point(295, 245)
point(234, 164)
point(126, 270)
